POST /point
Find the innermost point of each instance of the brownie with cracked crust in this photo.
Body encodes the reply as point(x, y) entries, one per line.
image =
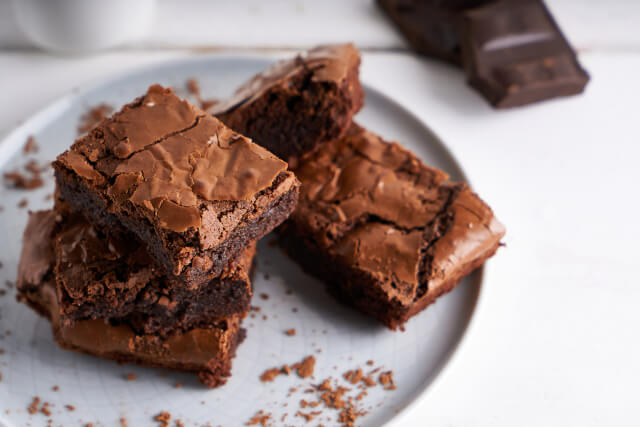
point(110, 274)
point(385, 232)
point(194, 191)
point(296, 104)
point(205, 348)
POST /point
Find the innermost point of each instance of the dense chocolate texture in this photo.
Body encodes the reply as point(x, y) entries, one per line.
point(430, 26)
point(386, 233)
point(195, 192)
point(104, 275)
point(206, 349)
point(515, 54)
point(295, 105)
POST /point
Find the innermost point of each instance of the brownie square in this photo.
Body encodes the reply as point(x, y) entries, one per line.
point(296, 104)
point(386, 233)
point(195, 192)
point(206, 347)
point(105, 275)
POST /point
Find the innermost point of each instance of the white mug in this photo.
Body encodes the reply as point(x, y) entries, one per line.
point(83, 26)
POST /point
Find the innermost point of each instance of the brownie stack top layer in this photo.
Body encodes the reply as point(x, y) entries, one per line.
point(178, 178)
point(373, 206)
point(295, 105)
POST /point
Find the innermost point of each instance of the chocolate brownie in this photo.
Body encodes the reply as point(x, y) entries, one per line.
point(386, 233)
point(102, 275)
point(320, 86)
point(195, 192)
point(205, 348)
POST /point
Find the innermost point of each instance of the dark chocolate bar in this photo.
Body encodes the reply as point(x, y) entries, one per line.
point(514, 53)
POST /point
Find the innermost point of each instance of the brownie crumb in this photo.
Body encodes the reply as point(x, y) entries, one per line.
point(264, 296)
point(8, 284)
point(0, 376)
point(261, 418)
point(23, 203)
point(30, 146)
point(370, 362)
point(92, 117)
point(130, 377)
point(163, 418)
point(70, 408)
point(386, 380)
point(309, 416)
point(45, 409)
point(354, 376)
point(179, 423)
point(294, 310)
point(178, 385)
point(17, 179)
point(3, 292)
point(123, 422)
point(288, 291)
point(33, 407)
point(88, 425)
point(305, 368)
point(290, 332)
point(55, 388)
point(270, 374)
point(266, 276)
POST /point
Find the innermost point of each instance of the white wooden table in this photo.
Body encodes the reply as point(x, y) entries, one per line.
point(555, 340)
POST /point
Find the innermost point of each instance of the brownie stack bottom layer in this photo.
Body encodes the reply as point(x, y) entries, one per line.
point(207, 350)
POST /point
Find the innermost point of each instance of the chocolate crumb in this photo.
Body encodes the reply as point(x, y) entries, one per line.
point(45, 409)
point(33, 407)
point(23, 203)
point(370, 362)
point(265, 317)
point(178, 385)
point(386, 380)
point(30, 146)
point(179, 423)
point(163, 418)
point(288, 291)
point(130, 377)
point(261, 418)
point(8, 284)
point(20, 181)
point(70, 408)
point(308, 416)
point(354, 376)
point(294, 309)
point(266, 276)
point(123, 422)
point(3, 292)
point(270, 374)
point(290, 332)
point(305, 368)
point(264, 296)
point(93, 117)
point(55, 388)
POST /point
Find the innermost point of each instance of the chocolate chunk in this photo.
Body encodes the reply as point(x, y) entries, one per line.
point(430, 26)
point(515, 54)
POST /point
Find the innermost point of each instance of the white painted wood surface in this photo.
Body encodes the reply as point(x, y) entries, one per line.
point(555, 339)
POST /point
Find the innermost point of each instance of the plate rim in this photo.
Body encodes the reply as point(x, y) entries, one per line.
point(13, 140)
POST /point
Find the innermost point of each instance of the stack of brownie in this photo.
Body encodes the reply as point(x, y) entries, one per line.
point(385, 232)
point(148, 253)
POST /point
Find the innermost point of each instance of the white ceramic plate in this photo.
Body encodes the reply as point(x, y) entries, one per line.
point(32, 363)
